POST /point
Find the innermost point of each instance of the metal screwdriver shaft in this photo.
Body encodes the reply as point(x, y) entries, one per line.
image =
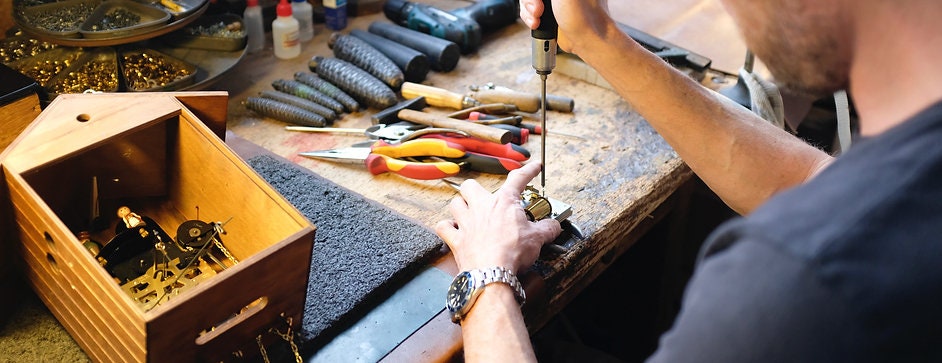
point(543, 138)
point(544, 60)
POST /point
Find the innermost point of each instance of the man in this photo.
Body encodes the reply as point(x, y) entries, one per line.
point(834, 261)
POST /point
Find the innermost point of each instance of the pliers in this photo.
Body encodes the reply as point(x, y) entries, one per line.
point(482, 156)
point(381, 157)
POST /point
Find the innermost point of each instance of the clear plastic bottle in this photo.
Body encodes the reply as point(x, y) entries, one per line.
point(304, 12)
point(284, 32)
point(254, 27)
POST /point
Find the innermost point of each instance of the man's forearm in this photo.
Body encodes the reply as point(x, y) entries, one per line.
point(743, 158)
point(494, 330)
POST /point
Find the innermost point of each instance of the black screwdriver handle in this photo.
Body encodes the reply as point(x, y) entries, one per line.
point(548, 28)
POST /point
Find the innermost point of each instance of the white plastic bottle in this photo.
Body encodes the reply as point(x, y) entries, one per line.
point(284, 32)
point(304, 12)
point(254, 27)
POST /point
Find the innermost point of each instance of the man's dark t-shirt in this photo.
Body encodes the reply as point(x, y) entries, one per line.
point(844, 268)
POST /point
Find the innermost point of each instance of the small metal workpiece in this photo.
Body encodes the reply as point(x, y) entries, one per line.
point(536, 206)
point(540, 207)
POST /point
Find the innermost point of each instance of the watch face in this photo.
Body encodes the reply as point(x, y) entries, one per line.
point(459, 291)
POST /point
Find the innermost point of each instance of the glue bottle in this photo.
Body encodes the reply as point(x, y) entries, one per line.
point(254, 27)
point(304, 12)
point(335, 14)
point(284, 32)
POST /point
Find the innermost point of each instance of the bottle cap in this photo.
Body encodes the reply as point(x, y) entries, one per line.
point(251, 3)
point(299, 1)
point(283, 8)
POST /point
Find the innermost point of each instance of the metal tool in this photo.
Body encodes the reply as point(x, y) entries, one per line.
point(405, 131)
point(668, 51)
point(544, 60)
point(438, 97)
point(490, 108)
point(326, 130)
point(391, 114)
point(464, 32)
point(382, 157)
point(480, 155)
point(483, 94)
point(534, 205)
point(473, 129)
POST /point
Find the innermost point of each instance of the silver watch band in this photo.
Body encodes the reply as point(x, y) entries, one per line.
point(501, 274)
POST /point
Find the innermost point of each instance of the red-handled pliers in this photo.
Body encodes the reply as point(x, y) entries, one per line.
point(381, 157)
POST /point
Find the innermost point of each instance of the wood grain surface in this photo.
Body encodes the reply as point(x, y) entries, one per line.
point(610, 165)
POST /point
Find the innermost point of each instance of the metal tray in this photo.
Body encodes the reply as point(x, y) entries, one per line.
point(58, 19)
point(158, 63)
point(43, 67)
point(113, 39)
point(191, 37)
point(177, 8)
point(147, 19)
point(96, 61)
point(20, 47)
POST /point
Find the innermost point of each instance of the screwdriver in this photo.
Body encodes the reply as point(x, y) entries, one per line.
point(544, 60)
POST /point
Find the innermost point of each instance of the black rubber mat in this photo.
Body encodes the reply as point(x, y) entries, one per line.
point(361, 249)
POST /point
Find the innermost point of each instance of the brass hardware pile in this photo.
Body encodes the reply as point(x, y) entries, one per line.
point(15, 48)
point(42, 69)
point(143, 70)
point(99, 75)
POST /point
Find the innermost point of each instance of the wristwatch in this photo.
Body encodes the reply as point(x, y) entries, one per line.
point(468, 285)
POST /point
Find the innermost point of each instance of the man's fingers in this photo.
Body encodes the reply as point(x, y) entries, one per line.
point(529, 11)
point(446, 229)
point(548, 229)
point(470, 190)
point(518, 179)
point(458, 207)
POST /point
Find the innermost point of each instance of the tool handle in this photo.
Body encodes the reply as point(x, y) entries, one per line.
point(480, 131)
point(479, 146)
point(519, 135)
point(419, 147)
point(435, 96)
point(443, 55)
point(548, 28)
point(414, 65)
point(487, 163)
point(560, 103)
point(378, 164)
point(526, 102)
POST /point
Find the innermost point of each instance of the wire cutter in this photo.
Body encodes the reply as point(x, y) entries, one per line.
point(381, 157)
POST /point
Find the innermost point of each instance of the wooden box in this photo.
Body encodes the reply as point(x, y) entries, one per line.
point(152, 153)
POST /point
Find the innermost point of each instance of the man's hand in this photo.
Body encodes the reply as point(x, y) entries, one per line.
point(492, 229)
point(576, 19)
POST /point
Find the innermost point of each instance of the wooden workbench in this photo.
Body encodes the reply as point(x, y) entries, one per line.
point(613, 169)
point(619, 178)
